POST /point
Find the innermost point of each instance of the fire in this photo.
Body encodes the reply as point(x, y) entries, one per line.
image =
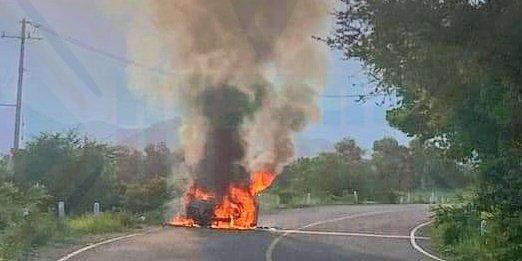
point(182, 222)
point(198, 193)
point(236, 210)
point(260, 181)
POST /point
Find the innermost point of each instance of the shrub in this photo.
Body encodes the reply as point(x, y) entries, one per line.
point(146, 195)
point(457, 223)
point(457, 232)
point(23, 221)
point(101, 223)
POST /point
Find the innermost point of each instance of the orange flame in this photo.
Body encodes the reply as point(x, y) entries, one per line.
point(182, 222)
point(237, 210)
point(260, 181)
point(196, 192)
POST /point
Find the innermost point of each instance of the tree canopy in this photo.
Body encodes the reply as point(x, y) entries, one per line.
point(456, 67)
point(455, 64)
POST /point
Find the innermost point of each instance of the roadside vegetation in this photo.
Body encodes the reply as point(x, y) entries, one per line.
point(133, 187)
point(393, 173)
point(130, 186)
point(456, 67)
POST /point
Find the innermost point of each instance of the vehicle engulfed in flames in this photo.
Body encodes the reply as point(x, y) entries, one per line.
point(201, 212)
point(237, 209)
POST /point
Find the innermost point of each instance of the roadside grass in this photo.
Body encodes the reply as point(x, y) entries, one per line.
point(433, 196)
point(51, 237)
point(268, 202)
point(271, 201)
point(464, 233)
point(102, 223)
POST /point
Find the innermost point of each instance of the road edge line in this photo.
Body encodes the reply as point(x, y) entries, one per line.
point(417, 247)
point(108, 241)
point(348, 234)
point(271, 247)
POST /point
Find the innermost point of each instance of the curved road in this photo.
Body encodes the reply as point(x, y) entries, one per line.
point(375, 223)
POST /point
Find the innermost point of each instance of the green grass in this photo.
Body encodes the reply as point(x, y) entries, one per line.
point(103, 223)
point(268, 202)
point(440, 196)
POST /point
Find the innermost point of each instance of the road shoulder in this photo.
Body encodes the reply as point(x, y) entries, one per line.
point(60, 248)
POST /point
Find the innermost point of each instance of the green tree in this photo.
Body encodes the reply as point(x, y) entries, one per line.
point(393, 166)
point(349, 149)
point(76, 170)
point(435, 169)
point(144, 175)
point(158, 160)
point(147, 195)
point(24, 220)
point(456, 66)
point(129, 165)
point(132, 165)
point(328, 175)
point(4, 171)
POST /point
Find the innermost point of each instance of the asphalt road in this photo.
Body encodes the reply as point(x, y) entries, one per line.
point(186, 244)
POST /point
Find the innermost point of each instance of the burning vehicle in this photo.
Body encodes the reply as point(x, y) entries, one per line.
point(237, 210)
point(246, 80)
point(223, 193)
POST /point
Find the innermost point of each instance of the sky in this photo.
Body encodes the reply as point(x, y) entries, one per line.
point(66, 85)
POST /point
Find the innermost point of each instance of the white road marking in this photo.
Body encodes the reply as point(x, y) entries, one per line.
point(271, 247)
point(417, 247)
point(347, 234)
point(83, 249)
point(269, 252)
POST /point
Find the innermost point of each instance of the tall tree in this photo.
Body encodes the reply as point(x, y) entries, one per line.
point(435, 169)
point(129, 165)
point(158, 160)
point(74, 169)
point(393, 165)
point(348, 149)
point(456, 66)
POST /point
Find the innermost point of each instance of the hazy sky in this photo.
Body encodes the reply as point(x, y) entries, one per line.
point(66, 85)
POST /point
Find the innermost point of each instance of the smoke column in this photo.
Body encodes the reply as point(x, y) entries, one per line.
point(246, 77)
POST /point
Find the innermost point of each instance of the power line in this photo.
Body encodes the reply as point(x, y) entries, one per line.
point(353, 95)
point(127, 61)
point(103, 52)
point(160, 70)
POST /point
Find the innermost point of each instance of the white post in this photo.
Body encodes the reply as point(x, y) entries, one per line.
point(96, 208)
point(308, 198)
point(10, 163)
point(355, 197)
point(61, 209)
point(409, 197)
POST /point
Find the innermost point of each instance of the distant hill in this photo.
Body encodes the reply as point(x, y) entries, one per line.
point(166, 131)
point(307, 147)
point(104, 131)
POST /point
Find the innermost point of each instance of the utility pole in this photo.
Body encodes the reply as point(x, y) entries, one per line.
point(23, 37)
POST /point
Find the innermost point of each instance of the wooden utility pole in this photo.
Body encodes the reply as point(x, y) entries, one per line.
point(23, 37)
